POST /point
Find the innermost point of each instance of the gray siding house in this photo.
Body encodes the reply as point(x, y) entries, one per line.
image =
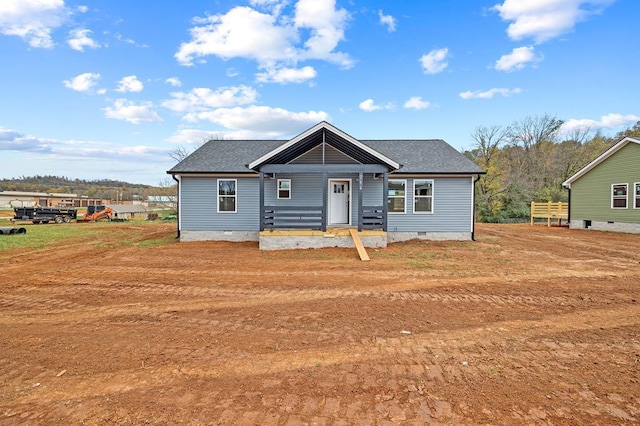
point(605, 194)
point(306, 191)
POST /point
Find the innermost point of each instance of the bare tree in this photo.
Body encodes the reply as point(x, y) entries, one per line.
point(167, 191)
point(530, 132)
point(487, 154)
point(181, 152)
point(530, 155)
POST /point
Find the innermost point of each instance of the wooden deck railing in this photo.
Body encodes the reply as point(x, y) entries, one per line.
point(373, 217)
point(298, 217)
point(549, 210)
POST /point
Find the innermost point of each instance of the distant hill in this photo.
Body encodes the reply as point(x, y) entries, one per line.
point(103, 188)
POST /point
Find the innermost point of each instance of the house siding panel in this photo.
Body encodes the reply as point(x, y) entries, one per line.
point(452, 208)
point(452, 203)
point(591, 193)
point(199, 209)
point(306, 190)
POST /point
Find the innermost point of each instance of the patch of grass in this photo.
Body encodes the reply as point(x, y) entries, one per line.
point(43, 236)
point(159, 242)
point(100, 235)
point(419, 264)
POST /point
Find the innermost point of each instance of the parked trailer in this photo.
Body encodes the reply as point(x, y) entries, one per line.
point(44, 214)
point(12, 231)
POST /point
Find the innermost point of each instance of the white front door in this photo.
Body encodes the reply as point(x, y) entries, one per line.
point(338, 202)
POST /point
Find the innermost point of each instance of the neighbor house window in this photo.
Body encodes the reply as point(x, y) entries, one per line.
point(422, 196)
point(619, 195)
point(637, 195)
point(284, 189)
point(227, 195)
point(397, 196)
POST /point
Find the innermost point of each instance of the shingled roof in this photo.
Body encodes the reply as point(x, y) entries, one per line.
point(433, 156)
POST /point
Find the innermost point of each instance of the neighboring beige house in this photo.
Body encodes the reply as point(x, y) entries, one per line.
point(129, 211)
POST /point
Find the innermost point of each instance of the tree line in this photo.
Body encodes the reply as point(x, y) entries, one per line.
point(528, 161)
point(105, 189)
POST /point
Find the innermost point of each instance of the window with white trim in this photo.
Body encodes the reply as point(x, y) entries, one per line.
point(227, 195)
point(423, 196)
point(619, 195)
point(284, 189)
point(397, 196)
point(637, 195)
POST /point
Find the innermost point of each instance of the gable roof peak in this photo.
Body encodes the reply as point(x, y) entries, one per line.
point(309, 133)
point(606, 154)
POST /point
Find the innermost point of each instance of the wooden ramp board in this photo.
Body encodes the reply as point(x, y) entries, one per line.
point(361, 250)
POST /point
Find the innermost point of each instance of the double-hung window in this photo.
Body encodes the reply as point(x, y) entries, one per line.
point(227, 195)
point(423, 196)
point(619, 195)
point(637, 195)
point(284, 189)
point(397, 196)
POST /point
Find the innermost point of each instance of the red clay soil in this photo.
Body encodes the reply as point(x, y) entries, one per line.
point(527, 325)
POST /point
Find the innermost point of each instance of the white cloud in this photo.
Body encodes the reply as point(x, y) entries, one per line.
point(387, 20)
point(263, 121)
point(130, 84)
point(286, 75)
point(194, 136)
point(202, 98)
point(435, 61)
point(416, 102)
point(11, 140)
point(275, 6)
point(268, 38)
point(174, 81)
point(327, 25)
point(488, 94)
point(609, 121)
point(83, 9)
point(128, 40)
point(83, 82)
point(517, 59)
point(79, 39)
point(369, 105)
point(242, 32)
point(32, 20)
point(543, 20)
point(125, 110)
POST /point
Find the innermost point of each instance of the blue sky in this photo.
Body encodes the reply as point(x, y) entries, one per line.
point(108, 88)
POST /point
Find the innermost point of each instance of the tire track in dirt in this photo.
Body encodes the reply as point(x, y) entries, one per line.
point(418, 364)
point(242, 298)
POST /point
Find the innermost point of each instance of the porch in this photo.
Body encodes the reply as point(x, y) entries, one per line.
point(318, 216)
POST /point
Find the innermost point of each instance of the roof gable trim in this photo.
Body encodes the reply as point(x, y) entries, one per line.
point(608, 153)
point(331, 128)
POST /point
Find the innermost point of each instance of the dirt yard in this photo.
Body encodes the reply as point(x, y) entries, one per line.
point(527, 325)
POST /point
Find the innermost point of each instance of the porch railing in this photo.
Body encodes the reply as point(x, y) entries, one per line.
point(313, 217)
point(373, 217)
point(293, 217)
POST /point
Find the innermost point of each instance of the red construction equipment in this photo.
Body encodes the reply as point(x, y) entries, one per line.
point(97, 213)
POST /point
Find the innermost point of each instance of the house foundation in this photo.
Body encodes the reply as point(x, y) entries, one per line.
point(631, 228)
point(306, 239)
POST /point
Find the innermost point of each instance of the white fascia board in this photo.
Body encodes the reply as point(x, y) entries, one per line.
point(286, 145)
point(325, 125)
point(608, 153)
